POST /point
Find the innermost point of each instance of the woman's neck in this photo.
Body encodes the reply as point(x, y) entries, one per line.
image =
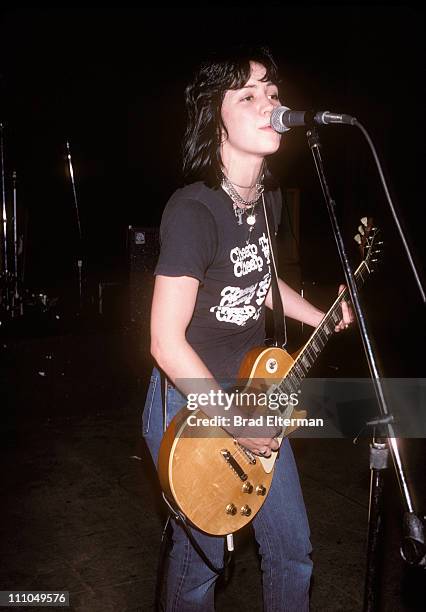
point(244, 178)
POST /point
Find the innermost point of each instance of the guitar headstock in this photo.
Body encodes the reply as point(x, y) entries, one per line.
point(370, 245)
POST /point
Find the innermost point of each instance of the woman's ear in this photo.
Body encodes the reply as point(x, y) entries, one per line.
point(223, 135)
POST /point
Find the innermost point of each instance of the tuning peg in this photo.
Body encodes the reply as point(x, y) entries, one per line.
point(364, 221)
point(357, 238)
point(361, 230)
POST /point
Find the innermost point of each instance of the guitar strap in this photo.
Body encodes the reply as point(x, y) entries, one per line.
point(180, 519)
point(280, 329)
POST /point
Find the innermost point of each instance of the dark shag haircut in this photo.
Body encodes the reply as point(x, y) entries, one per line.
point(204, 96)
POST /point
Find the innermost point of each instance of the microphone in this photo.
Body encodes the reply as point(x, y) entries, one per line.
point(282, 118)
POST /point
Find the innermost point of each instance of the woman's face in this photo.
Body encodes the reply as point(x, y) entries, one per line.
point(246, 114)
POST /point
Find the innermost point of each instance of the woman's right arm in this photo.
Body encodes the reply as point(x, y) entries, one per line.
point(172, 309)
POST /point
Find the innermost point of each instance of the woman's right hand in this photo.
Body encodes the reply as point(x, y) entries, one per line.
point(262, 440)
point(263, 447)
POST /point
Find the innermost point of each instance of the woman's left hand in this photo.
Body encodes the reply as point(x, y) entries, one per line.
point(347, 312)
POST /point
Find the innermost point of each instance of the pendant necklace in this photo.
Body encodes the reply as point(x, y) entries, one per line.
point(251, 218)
point(241, 206)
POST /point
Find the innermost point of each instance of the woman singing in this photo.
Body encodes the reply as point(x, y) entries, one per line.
point(212, 285)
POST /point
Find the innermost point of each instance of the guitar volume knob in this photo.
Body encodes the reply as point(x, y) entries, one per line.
point(246, 510)
point(247, 487)
point(231, 509)
point(260, 490)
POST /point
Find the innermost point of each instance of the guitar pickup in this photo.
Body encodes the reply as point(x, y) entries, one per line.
point(233, 464)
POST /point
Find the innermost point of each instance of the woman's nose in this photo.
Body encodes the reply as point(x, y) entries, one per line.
point(267, 105)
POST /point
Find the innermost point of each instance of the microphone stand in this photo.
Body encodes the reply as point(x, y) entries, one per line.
point(79, 258)
point(413, 547)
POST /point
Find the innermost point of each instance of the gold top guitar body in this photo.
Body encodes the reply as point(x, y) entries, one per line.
point(216, 483)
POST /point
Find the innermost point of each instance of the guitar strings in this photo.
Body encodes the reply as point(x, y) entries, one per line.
point(328, 322)
point(328, 318)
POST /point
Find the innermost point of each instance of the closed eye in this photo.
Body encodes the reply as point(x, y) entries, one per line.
point(251, 97)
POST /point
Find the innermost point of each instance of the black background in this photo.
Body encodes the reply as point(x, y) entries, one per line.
point(111, 81)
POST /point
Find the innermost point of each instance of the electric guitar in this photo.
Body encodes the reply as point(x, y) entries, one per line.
point(216, 483)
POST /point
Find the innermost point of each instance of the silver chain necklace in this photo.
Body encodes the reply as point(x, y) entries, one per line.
point(228, 186)
point(242, 206)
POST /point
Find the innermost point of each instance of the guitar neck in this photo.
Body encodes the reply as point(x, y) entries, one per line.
point(310, 352)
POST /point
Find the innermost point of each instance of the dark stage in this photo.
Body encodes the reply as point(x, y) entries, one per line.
point(81, 510)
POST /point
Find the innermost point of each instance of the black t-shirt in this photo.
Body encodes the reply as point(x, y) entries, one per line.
point(201, 238)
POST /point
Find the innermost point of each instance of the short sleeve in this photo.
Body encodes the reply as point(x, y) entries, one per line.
point(188, 237)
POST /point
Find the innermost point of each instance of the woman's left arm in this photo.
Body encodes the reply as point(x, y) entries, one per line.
point(296, 307)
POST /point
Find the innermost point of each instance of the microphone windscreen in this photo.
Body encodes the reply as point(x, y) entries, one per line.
point(276, 119)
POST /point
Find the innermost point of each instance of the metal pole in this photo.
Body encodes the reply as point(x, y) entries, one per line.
point(4, 209)
point(15, 246)
point(80, 257)
point(15, 230)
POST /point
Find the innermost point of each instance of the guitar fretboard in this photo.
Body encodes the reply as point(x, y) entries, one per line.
point(319, 338)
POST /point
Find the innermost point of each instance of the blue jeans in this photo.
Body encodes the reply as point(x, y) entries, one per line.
point(281, 530)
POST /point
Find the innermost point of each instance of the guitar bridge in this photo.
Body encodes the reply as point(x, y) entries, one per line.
point(251, 458)
point(233, 464)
